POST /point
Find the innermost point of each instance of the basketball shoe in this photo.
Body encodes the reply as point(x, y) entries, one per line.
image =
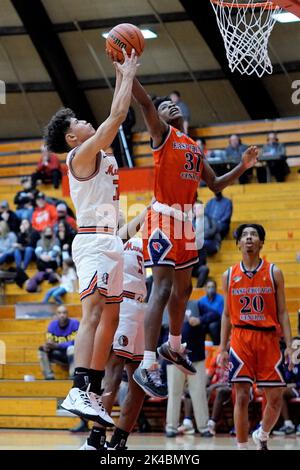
point(180, 358)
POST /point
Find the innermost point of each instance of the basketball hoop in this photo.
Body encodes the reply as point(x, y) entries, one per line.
point(246, 26)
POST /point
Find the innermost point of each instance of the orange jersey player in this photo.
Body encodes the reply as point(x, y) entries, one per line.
point(168, 236)
point(255, 311)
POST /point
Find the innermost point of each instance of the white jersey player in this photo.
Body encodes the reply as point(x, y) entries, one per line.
point(97, 250)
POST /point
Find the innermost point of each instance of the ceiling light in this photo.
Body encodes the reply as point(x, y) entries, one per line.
point(147, 33)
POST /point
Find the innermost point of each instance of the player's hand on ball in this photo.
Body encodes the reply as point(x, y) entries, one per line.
point(250, 157)
point(130, 65)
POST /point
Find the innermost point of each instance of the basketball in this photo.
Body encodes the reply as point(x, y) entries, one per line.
point(126, 36)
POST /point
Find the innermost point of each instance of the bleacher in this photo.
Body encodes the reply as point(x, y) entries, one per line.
point(275, 205)
point(216, 136)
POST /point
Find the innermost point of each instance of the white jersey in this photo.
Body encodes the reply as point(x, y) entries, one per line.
point(134, 270)
point(96, 198)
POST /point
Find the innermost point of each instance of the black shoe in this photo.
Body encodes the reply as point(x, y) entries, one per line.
point(180, 359)
point(150, 381)
point(81, 427)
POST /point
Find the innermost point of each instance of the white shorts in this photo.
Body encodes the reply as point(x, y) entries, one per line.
point(99, 263)
point(129, 340)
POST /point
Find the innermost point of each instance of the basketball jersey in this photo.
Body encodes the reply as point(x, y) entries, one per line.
point(178, 165)
point(252, 296)
point(134, 271)
point(96, 198)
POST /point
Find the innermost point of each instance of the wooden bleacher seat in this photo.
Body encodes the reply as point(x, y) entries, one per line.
point(252, 133)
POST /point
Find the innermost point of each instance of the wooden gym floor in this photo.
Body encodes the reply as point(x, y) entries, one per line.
point(64, 440)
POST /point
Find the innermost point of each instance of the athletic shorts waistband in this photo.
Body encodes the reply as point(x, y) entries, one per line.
point(256, 328)
point(97, 230)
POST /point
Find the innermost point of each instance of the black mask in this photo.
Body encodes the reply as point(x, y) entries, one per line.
point(48, 237)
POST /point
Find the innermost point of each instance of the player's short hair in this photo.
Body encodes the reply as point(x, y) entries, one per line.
point(160, 99)
point(55, 131)
point(259, 228)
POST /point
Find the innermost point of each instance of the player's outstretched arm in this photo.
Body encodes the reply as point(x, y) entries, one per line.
point(225, 324)
point(156, 126)
point(218, 183)
point(106, 133)
point(283, 316)
point(129, 230)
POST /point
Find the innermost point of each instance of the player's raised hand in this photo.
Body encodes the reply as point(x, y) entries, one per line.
point(250, 157)
point(130, 64)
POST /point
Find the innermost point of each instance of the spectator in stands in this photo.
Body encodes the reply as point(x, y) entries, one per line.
point(59, 346)
point(219, 209)
point(292, 391)
point(212, 237)
point(65, 235)
point(218, 390)
point(47, 251)
point(8, 240)
point(9, 216)
point(201, 142)
point(278, 167)
point(25, 199)
point(175, 96)
point(48, 169)
point(193, 335)
point(200, 270)
point(210, 311)
point(62, 216)
point(234, 153)
point(44, 214)
point(27, 239)
point(67, 283)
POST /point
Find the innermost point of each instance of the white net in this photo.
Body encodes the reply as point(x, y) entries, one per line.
point(246, 26)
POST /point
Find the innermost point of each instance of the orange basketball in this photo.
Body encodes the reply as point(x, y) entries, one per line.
point(126, 36)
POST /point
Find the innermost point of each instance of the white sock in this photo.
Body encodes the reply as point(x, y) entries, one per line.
point(263, 435)
point(289, 423)
point(242, 445)
point(149, 359)
point(175, 342)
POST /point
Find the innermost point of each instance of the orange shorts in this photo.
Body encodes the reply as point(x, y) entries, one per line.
point(168, 241)
point(255, 356)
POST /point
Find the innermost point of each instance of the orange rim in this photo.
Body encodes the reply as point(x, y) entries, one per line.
point(267, 5)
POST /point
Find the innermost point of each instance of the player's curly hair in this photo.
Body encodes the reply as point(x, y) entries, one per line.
point(259, 228)
point(55, 131)
point(160, 99)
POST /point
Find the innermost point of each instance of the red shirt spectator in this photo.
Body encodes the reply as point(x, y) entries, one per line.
point(44, 214)
point(63, 216)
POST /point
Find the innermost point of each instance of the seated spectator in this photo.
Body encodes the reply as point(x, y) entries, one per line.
point(67, 283)
point(291, 391)
point(234, 153)
point(219, 391)
point(212, 237)
point(44, 214)
point(193, 336)
point(59, 346)
point(210, 311)
point(175, 96)
point(65, 235)
point(201, 142)
point(219, 209)
point(62, 216)
point(278, 167)
point(48, 169)
point(25, 199)
point(47, 251)
point(27, 239)
point(7, 243)
point(9, 216)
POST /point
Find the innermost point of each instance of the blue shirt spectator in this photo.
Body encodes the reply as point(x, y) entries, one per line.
point(219, 209)
point(210, 311)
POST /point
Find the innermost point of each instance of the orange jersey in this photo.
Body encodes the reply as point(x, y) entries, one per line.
point(252, 297)
point(178, 163)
